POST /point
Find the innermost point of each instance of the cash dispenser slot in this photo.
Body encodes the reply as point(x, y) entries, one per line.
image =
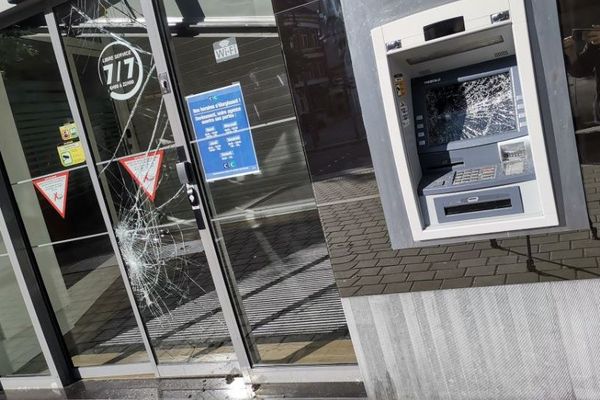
point(489, 203)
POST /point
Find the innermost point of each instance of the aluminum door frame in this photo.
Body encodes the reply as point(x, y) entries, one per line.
point(161, 42)
point(152, 366)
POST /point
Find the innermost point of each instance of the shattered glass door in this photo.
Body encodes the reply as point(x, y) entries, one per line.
point(115, 78)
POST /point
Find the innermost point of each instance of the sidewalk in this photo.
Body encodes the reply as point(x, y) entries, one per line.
point(191, 389)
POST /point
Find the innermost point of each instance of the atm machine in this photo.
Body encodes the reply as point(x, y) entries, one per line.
point(462, 112)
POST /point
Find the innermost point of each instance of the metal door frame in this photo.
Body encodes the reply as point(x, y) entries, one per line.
point(160, 41)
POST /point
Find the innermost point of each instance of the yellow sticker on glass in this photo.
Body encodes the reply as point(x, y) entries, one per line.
point(68, 131)
point(71, 154)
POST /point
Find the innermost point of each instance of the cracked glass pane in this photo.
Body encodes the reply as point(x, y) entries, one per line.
point(471, 109)
point(115, 76)
point(65, 227)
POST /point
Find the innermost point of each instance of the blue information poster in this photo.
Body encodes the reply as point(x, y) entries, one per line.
point(223, 133)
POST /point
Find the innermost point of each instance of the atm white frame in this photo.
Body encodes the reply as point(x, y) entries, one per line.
point(477, 18)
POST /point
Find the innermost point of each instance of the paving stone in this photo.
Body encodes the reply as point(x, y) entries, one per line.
point(438, 257)
point(523, 250)
point(387, 254)
point(397, 269)
point(494, 280)
point(465, 255)
point(549, 278)
point(366, 256)
point(344, 274)
point(394, 278)
point(585, 244)
point(513, 242)
point(398, 287)
point(432, 250)
point(347, 282)
point(413, 259)
point(425, 285)
point(493, 253)
point(482, 245)
point(421, 276)
point(444, 265)
point(343, 260)
point(386, 262)
point(546, 247)
point(450, 273)
point(588, 273)
point(382, 240)
point(475, 262)
point(366, 264)
point(417, 267)
point(457, 283)
point(511, 268)
point(368, 280)
point(542, 265)
point(368, 271)
point(459, 248)
point(370, 290)
point(565, 273)
point(503, 260)
point(348, 291)
point(526, 277)
point(566, 254)
point(586, 262)
point(594, 252)
point(483, 270)
point(574, 236)
point(409, 252)
point(544, 239)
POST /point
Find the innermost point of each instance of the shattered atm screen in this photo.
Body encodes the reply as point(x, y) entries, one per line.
point(466, 110)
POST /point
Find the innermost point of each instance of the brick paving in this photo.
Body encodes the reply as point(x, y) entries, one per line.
point(365, 264)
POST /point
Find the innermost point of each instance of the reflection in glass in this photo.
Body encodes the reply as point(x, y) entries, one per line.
point(286, 285)
point(20, 352)
point(82, 216)
point(322, 81)
point(89, 299)
point(73, 252)
point(580, 25)
point(154, 225)
point(267, 226)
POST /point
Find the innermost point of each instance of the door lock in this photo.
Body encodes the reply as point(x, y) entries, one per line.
point(165, 86)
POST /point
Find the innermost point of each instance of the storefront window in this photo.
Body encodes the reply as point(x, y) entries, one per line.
point(20, 352)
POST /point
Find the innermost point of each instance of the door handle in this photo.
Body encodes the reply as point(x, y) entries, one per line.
point(186, 177)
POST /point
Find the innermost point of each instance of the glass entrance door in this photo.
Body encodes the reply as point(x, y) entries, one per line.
point(243, 133)
point(134, 152)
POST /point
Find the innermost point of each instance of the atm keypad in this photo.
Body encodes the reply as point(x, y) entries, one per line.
point(474, 175)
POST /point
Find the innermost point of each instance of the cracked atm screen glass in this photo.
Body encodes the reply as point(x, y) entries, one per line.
point(471, 109)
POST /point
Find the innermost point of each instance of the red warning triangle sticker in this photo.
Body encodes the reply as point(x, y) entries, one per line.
point(145, 170)
point(54, 189)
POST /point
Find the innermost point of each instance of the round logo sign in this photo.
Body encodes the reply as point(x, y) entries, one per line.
point(120, 69)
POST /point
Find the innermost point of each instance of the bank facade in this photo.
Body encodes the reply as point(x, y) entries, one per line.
point(327, 191)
